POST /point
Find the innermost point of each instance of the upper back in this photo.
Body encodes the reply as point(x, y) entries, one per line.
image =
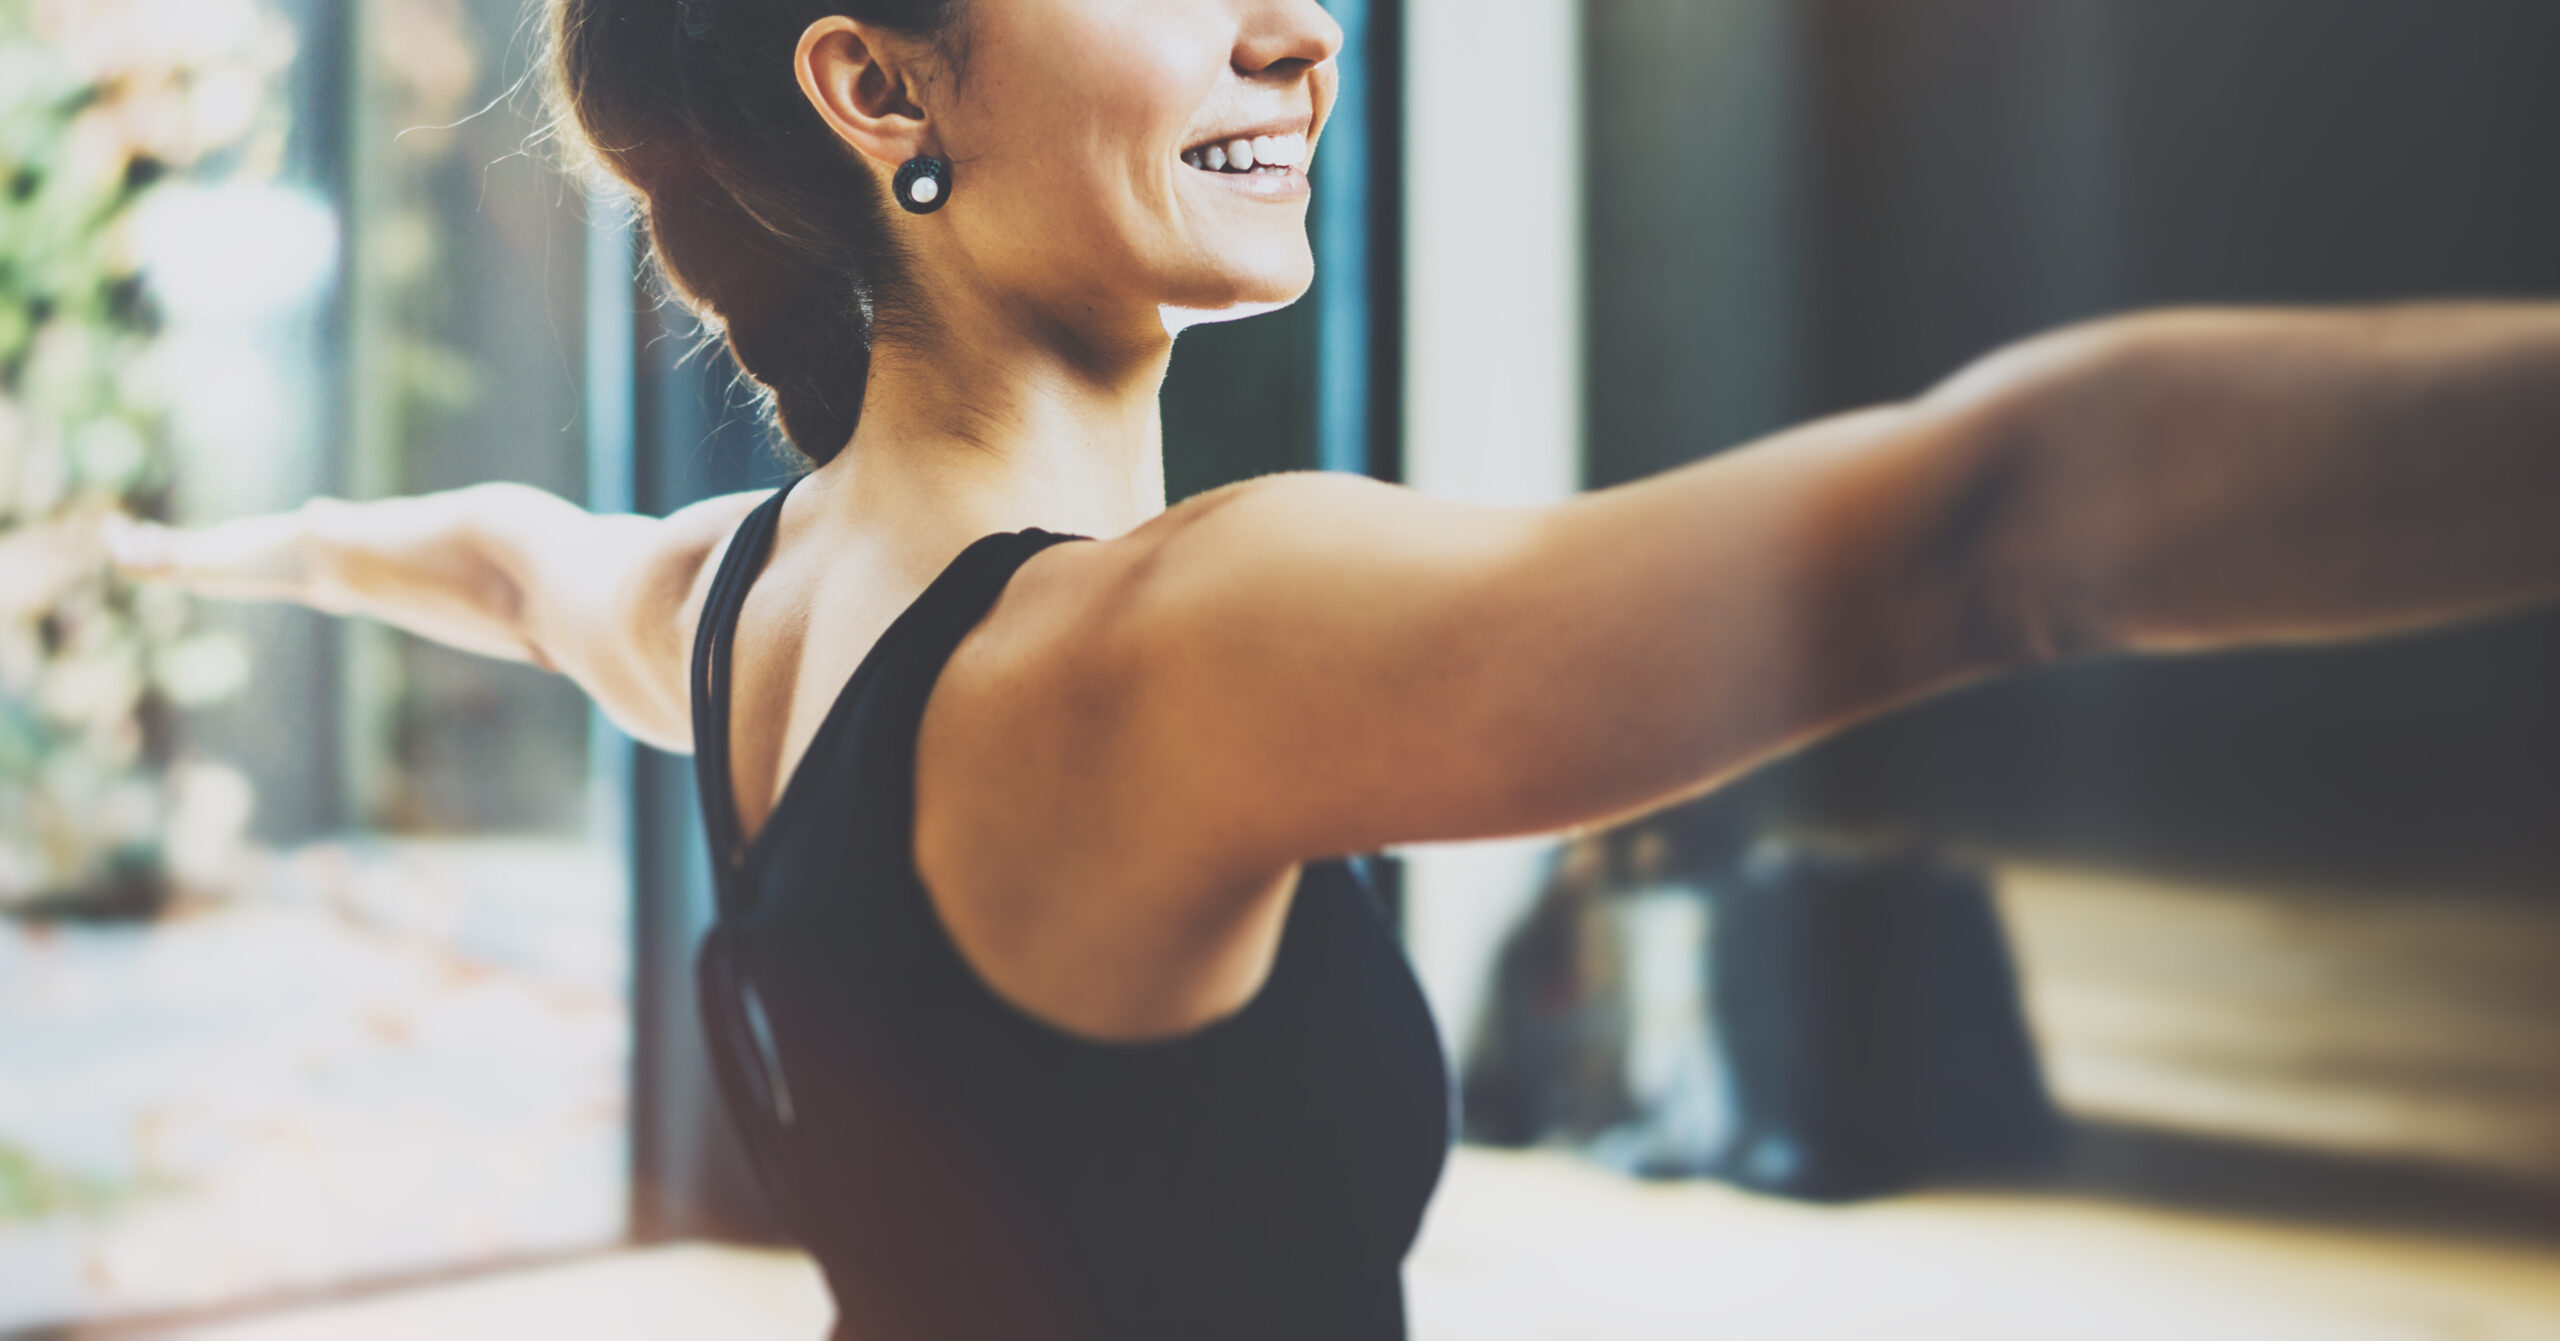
point(810, 612)
point(1015, 827)
point(965, 1168)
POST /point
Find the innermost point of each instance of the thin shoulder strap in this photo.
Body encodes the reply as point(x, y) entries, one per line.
point(943, 619)
point(712, 640)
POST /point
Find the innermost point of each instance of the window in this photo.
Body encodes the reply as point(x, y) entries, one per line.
point(375, 1020)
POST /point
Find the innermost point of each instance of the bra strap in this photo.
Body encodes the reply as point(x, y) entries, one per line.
point(978, 578)
point(713, 638)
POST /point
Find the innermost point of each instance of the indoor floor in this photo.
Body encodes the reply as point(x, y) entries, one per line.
point(1541, 1247)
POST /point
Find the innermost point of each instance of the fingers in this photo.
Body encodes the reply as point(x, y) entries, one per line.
point(250, 559)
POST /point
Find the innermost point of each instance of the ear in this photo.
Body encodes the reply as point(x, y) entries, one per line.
point(866, 83)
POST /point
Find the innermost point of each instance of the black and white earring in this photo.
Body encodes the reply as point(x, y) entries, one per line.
point(923, 184)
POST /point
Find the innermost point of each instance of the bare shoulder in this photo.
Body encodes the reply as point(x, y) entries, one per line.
point(1094, 649)
point(1128, 757)
point(1095, 772)
point(1087, 595)
point(1070, 614)
point(1081, 623)
point(1257, 550)
point(692, 541)
point(638, 660)
point(1294, 518)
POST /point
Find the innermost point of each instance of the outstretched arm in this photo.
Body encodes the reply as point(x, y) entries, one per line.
point(1312, 665)
point(2193, 480)
point(504, 570)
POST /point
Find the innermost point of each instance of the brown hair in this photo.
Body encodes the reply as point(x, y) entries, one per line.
point(761, 220)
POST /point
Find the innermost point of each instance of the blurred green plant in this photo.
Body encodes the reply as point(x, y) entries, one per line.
point(31, 1190)
point(103, 104)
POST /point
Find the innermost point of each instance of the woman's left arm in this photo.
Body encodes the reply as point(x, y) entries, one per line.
point(2200, 479)
point(504, 570)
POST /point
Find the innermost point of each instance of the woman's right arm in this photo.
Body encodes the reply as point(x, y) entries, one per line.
point(504, 570)
point(1313, 665)
point(1120, 768)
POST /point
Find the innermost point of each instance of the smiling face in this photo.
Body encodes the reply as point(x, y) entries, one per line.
point(1113, 157)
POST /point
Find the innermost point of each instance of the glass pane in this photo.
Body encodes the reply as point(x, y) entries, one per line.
point(313, 950)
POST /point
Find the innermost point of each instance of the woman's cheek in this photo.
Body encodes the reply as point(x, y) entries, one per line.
point(1176, 65)
point(1142, 68)
point(1151, 80)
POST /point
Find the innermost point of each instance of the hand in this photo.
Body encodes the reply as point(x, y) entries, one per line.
point(42, 560)
point(251, 559)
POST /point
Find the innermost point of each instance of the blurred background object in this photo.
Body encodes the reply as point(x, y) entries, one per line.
point(1827, 1021)
point(2205, 998)
point(2283, 918)
point(314, 960)
point(1817, 204)
point(139, 153)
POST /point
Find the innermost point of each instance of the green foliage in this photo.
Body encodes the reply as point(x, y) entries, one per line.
point(102, 103)
point(32, 1191)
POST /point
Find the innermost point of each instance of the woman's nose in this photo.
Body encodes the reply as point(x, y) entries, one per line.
point(1285, 37)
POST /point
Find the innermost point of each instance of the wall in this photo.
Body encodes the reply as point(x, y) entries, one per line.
point(1804, 205)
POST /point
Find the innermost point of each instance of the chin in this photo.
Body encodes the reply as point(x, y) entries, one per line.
point(1179, 319)
point(1242, 291)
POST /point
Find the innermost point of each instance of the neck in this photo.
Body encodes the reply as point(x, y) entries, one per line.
point(1017, 423)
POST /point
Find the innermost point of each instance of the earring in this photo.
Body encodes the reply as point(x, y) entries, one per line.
point(923, 184)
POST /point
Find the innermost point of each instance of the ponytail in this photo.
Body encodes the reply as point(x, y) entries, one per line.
point(760, 221)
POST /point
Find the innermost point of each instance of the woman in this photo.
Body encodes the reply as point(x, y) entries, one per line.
point(1039, 985)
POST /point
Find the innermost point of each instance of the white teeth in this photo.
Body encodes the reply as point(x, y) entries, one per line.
point(1246, 154)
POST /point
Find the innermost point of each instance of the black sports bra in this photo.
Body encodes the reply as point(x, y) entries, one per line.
point(962, 1169)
